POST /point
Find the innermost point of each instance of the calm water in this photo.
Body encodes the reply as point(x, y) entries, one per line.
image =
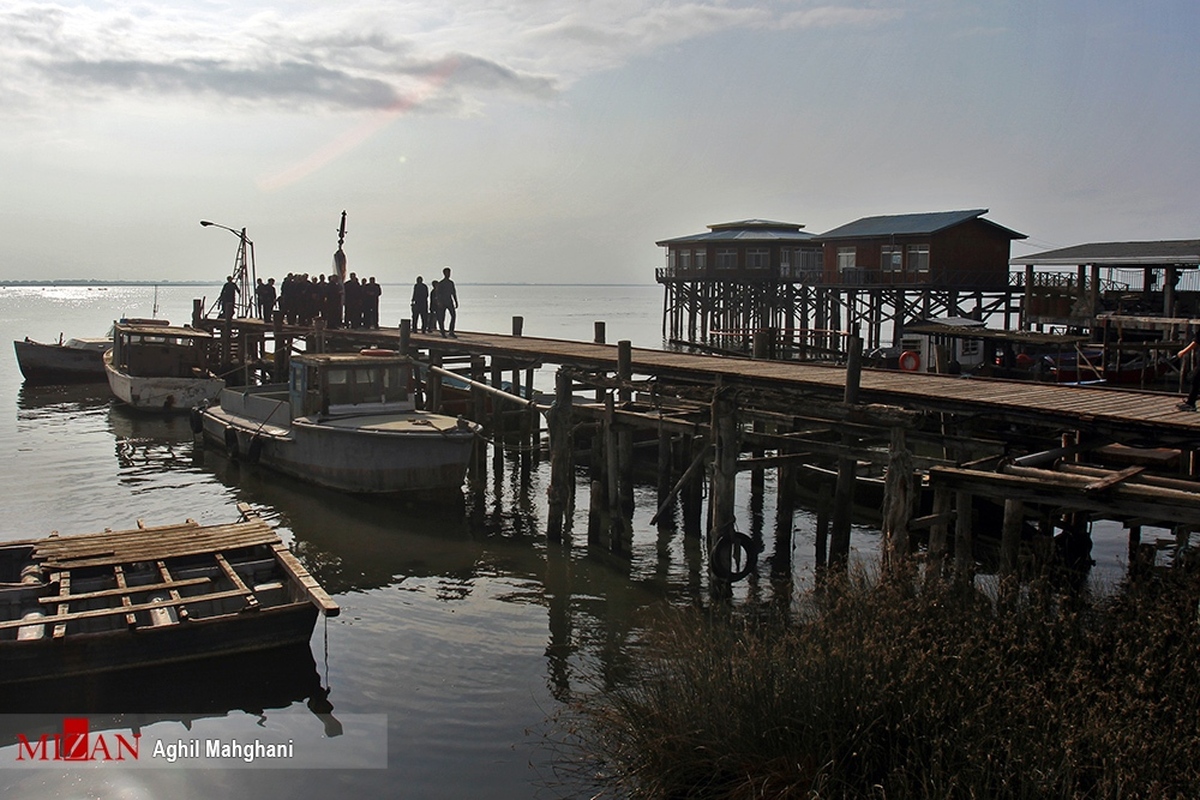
point(460, 624)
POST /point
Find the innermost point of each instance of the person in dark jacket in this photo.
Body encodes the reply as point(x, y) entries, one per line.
point(371, 292)
point(420, 306)
point(265, 294)
point(447, 300)
point(228, 297)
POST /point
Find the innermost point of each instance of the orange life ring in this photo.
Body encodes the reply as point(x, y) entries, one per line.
point(375, 351)
point(910, 361)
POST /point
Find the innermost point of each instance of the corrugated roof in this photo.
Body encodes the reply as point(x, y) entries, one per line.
point(746, 230)
point(910, 225)
point(1116, 254)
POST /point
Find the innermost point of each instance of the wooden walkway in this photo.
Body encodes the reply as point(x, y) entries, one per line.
point(1136, 417)
point(1123, 414)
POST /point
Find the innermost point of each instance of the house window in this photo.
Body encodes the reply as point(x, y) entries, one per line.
point(701, 260)
point(891, 258)
point(785, 263)
point(846, 258)
point(758, 258)
point(685, 259)
point(727, 259)
point(918, 258)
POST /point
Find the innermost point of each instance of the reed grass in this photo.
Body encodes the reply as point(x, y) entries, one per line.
point(894, 690)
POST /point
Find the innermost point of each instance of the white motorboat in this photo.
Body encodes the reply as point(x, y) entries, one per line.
point(161, 367)
point(345, 421)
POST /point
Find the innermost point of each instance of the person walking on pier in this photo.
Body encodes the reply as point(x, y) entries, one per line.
point(435, 309)
point(420, 306)
point(1194, 392)
point(371, 292)
point(447, 303)
point(228, 297)
point(265, 294)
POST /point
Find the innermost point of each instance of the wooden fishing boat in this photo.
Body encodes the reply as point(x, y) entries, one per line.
point(345, 421)
point(97, 603)
point(69, 361)
point(161, 367)
point(72, 361)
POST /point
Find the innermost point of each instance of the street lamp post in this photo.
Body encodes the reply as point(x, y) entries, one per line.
point(244, 271)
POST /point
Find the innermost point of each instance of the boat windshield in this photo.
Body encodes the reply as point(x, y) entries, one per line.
point(357, 385)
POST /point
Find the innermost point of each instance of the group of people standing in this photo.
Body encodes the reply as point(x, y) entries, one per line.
point(300, 300)
point(433, 303)
point(354, 304)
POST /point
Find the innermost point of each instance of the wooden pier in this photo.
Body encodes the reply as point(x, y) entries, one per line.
point(958, 457)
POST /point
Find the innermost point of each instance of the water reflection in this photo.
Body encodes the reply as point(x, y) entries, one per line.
point(215, 687)
point(70, 398)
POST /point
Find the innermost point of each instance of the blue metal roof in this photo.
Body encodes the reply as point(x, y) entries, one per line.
point(910, 225)
point(747, 230)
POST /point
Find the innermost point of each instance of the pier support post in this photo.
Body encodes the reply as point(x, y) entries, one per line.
point(664, 467)
point(433, 386)
point(899, 494)
point(693, 491)
point(497, 410)
point(598, 338)
point(964, 537)
point(843, 497)
point(561, 451)
point(283, 350)
point(726, 435)
point(1010, 536)
point(939, 532)
point(405, 336)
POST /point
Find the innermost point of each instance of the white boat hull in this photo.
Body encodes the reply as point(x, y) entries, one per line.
point(410, 451)
point(161, 393)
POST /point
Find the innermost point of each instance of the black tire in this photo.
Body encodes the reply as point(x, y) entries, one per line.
point(196, 419)
point(254, 449)
point(737, 549)
point(231, 444)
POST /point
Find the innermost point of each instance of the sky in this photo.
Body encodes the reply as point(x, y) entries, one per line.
point(555, 141)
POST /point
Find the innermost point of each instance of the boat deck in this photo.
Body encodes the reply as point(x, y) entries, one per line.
point(146, 570)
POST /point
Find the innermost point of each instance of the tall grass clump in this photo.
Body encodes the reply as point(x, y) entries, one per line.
point(884, 689)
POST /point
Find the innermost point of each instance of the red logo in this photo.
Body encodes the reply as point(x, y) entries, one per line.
point(77, 743)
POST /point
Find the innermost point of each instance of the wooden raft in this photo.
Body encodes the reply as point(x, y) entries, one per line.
point(58, 555)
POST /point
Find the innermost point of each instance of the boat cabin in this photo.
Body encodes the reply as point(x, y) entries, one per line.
point(161, 351)
point(332, 384)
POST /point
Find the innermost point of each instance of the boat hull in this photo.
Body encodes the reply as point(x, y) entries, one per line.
point(113, 651)
point(56, 363)
point(383, 453)
point(161, 394)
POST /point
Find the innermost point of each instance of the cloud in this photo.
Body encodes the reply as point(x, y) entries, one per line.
point(364, 56)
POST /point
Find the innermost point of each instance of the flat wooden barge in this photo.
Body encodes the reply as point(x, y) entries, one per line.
point(96, 603)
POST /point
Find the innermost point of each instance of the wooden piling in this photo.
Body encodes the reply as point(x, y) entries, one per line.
point(1010, 536)
point(727, 445)
point(898, 500)
point(843, 495)
point(964, 537)
point(562, 448)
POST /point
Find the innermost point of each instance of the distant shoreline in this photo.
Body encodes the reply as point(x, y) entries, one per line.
point(44, 283)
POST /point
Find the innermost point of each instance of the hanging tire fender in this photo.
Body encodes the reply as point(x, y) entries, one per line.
point(196, 419)
point(733, 548)
point(254, 449)
point(231, 443)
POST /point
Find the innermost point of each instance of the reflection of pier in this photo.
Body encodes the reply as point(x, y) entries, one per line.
point(703, 419)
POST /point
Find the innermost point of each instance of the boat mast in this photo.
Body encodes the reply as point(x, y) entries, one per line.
point(339, 266)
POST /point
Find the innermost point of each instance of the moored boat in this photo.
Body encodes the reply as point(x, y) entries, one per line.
point(345, 421)
point(97, 603)
point(70, 361)
point(161, 367)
